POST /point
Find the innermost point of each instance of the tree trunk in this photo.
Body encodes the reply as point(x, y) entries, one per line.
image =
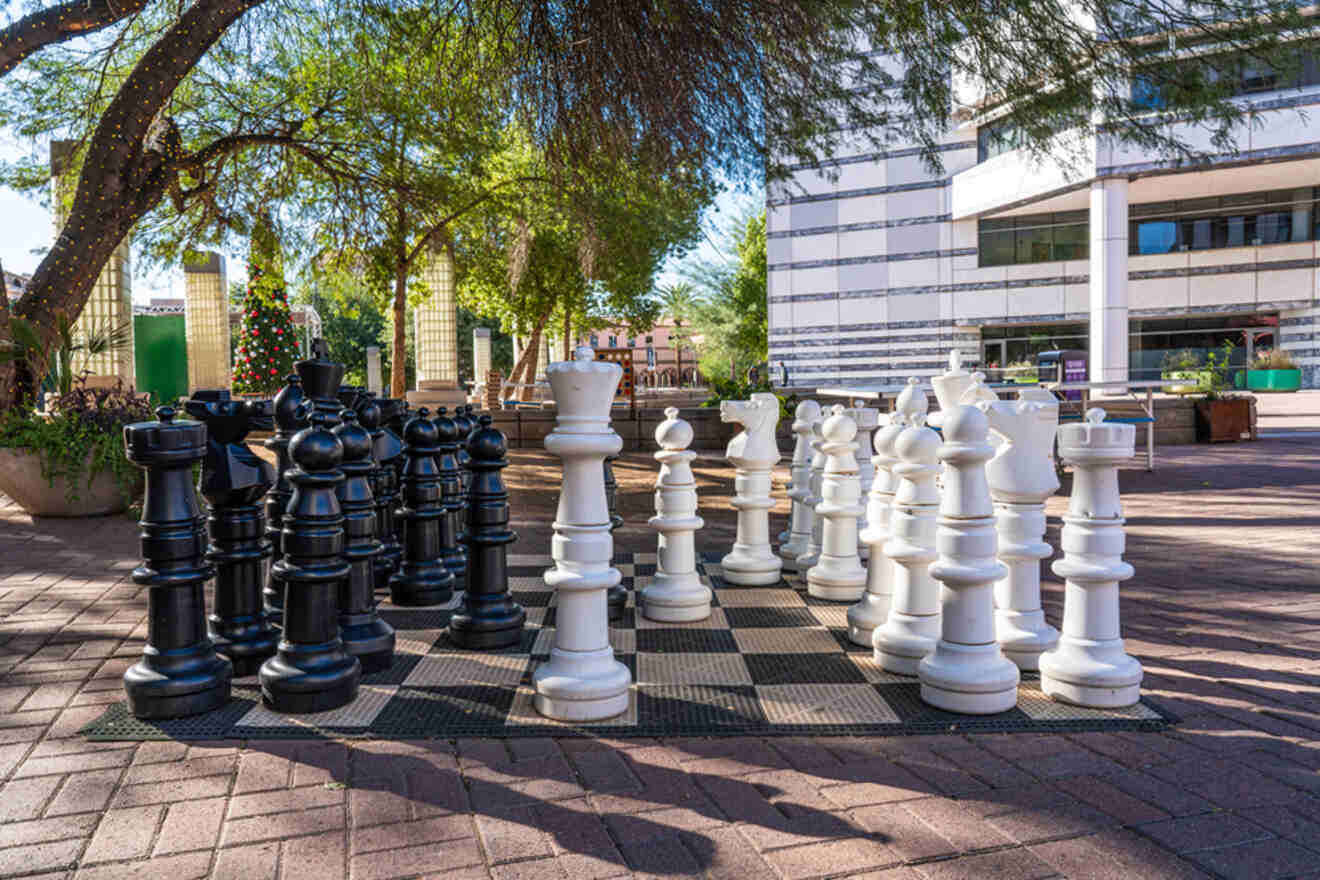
point(55, 24)
point(399, 347)
point(8, 373)
point(137, 159)
point(524, 372)
point(568, 336)
point(678, 353)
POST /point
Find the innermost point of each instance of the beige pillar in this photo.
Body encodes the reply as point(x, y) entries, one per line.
point(435, 334)
point(206, 323)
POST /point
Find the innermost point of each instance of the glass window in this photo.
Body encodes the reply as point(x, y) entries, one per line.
point(1071, 241)
point(1157, 236)
point(996, 139)
point(614, 342)
point(1035, 238)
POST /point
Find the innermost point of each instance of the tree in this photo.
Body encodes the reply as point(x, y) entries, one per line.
point(267, 343)
point(352, 319)
point(50, 25)
point(678, 302)
point(730, 316)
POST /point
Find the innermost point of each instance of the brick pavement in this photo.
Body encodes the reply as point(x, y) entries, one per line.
point(1224, 612)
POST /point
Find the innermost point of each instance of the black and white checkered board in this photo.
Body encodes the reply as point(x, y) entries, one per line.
point(768, 661)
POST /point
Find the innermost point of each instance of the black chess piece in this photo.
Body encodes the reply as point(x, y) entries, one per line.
point(311, 672)
point(451, 487)
point(385, 449)
point(234, 481)
point(394, 416)
point(364, 634)
point(466, 425)
point(422, 578)
point(289, 420)
point(179, 673)
point(320, 378)
point(616, 596)
point(349, 395)
point(489, 618)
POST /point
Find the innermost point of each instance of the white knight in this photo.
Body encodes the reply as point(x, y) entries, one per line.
point(753, 453)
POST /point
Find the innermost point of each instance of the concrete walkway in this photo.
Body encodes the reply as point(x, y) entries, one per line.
point(1224, 612)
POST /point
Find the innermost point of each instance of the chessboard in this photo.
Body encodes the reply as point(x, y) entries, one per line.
point(768, 661)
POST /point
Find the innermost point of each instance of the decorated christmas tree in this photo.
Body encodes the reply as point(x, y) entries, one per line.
point(267, 344)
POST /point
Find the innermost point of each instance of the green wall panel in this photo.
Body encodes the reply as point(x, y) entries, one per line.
point(161, 355)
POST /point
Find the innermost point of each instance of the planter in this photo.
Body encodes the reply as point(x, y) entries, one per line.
point(1223, 421)
point(1273, 380)
point(1187, 381)
point(21, 480)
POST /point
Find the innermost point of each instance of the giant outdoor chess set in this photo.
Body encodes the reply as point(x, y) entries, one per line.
point(926, 618)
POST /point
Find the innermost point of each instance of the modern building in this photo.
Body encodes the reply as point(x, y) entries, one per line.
point(655, 354)
point(876, 275)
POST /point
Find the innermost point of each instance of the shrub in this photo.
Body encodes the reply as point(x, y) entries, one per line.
point(1181, 361)
point(1275, 359)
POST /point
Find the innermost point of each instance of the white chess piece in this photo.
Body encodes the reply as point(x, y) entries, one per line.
point(675, 594)
point(1089, 666)
point(753, 453)
point(867, 421)
point(838, 575)
point(803, 515)
point(871, 611)
point(913, 624)
point(812, 554)
point(582, 681)
point(949, 387)
point(967, 672)
point(1021, 477)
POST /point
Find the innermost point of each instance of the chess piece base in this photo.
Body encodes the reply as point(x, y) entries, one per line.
point(295, 691)
point(789, 553)
point(1023, 636)
point(247, 643)
point(970, 679)
point(413, 589)
point(581, 686)
point(830, 580)
point(616, 600)
point(865, 617)
point(675, 599)
point(744, 569)
point(904, 641)
point(487, 633)
point(203, 688)
point(369, 639)
point(1091, 673)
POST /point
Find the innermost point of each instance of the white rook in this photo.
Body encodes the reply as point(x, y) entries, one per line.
point(812, 553)
point(967, 672)
point(582, 681)
point(913, 624)
point(873, 609)
point(753, 453)
point(838, 575)
point(1089, 666)
point(803, 515)
point(675, 594)
point(1021, 477)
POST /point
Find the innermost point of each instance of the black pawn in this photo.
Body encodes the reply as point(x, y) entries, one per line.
point(394, 415)
point(451, 488)
point(364, 634)
point(489, 617)
point(422, 578)
point(385, 450)
point(466, 425)
point(320, 378)
point(289, 420)
point(179, 673)
point(616, 596)
point(234, 480)
point(311, 671)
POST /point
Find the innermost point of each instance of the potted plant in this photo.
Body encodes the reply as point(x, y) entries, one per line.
point(1186, 369)
point(70, 461)
point(1272, 370)
point(1221, 416)
point(1021, 373)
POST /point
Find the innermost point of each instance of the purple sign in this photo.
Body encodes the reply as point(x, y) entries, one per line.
point(1074, 370)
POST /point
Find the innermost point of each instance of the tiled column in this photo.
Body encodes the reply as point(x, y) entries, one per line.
point(1109, 280)
point(436, 325)
point(110, 304)
point(480, 357)
point(206, 322)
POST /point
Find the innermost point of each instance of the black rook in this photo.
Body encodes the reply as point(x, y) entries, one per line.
point(422, 578)
point(179, 673)
point(312, 672)
point(489, 617)
point(365, 635)
point(234, 480)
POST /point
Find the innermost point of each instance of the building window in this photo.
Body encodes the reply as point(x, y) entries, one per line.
point(1247, 75)
point(649, 340)
point(595, 341)
point(632, 341)
point(1033, 238)
point(996, 138)
point(614, 342)
point(1240, 220)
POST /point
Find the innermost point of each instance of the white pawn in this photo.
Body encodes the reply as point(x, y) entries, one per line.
point(838, 574)
point(967, 672)
point(582, 681)
point(913, 624)
point(1089, 666)
point(812, 554)
point(753, 453)
point(675, 594)
point(867, 421)
point(803, 515)
point(1021, 477)
point(871, 611)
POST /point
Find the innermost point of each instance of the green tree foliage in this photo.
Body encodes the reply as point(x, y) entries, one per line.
point(352, 319)
point(729, 319)
point(267, 344)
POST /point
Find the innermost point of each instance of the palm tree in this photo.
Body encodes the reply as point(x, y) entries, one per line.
point(678, 301)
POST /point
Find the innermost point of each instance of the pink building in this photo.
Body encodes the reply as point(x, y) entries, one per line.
point(655, 359)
